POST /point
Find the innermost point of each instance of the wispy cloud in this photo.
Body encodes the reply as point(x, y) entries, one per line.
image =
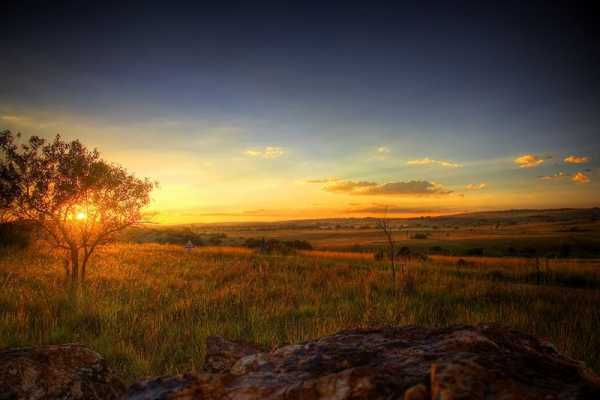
point(383, 150)
point(528, 161)
point(377, 208)
point(323, 180)
point(576, 159)
point(14, 118)
point(580, 177)
point(268, 152)
point(476, 186)
point(410, 188)
point(429, 161)
point(240, 214)
point(558, 175)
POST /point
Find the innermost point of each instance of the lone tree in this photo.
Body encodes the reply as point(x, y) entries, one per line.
point(395, 256)
point(383, 226)
point(77, 200)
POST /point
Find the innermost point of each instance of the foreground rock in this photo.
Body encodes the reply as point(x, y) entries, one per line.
point(222, 354)
point(461, 362)
point(56, 372)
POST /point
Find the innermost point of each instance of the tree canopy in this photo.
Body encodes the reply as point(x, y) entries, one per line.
point(76, 199)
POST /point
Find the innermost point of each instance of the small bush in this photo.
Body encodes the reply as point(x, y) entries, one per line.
point(564, 251)
point(476, 251)
point(15, 235)
point(277, 246)
point(462, 262)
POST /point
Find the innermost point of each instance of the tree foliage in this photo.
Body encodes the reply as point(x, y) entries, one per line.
point(77, 200)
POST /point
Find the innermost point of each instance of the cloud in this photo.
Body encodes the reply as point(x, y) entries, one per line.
point(410, 188)
point(576, 160)
point(13, 118)
point(268, 152)
point(347, 186)
point(580, 177)
point(528, 161)
point(476, 186)
point(245, 213)
point(323, 180)
point(377, 208)
point(557, 175)
point(383, 150)
point(429, 161)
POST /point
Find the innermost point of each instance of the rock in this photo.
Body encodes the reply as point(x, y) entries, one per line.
point(411, 363)
point(222, 354)
point(67, 371)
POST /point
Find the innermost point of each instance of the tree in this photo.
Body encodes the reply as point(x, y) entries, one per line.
point(76, 200)
point(384, 226)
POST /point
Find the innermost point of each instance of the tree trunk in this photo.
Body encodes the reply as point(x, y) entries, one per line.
point(67, 266)
point(393, 256)
point(74, 269)
point(83, 268)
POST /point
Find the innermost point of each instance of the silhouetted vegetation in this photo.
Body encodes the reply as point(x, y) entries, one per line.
point(14, 234)
point(173, 235)
point(477, 251)
point(268, 246)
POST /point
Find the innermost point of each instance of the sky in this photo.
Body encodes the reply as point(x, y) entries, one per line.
point(254, 112)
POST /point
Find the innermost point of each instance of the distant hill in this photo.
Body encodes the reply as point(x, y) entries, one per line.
point(487, 217)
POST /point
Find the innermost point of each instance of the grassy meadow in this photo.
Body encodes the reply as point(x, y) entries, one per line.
point(565, 233)
point(148, 308)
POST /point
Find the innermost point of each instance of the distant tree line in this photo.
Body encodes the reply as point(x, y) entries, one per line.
point(277, 246)
point(175, 235)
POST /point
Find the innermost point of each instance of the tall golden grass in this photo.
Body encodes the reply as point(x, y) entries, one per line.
point(149, 308)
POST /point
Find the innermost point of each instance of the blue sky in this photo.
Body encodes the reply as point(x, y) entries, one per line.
point(234, 108)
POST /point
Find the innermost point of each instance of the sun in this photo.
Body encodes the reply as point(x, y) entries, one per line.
point(80, 216)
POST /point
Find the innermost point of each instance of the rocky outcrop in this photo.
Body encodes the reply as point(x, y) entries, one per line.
point(412, 363)
point(56, 372)
point(461, 362)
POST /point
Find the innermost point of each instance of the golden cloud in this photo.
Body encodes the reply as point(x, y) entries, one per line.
point(476, 186)
point(580, 177)
point(410, 188)
point(429, 161)
point(268, 152)
point(528, 161)
point(347, 186)
point(576, 160)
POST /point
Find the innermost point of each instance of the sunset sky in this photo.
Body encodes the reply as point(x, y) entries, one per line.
point(259, 112)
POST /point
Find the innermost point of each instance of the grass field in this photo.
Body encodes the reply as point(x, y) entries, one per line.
point(148, 308)
point(537, 233)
